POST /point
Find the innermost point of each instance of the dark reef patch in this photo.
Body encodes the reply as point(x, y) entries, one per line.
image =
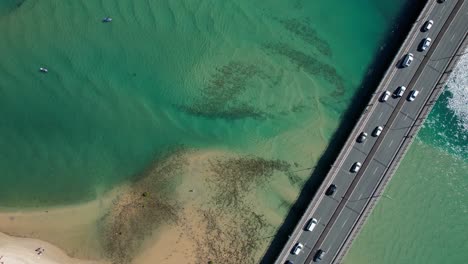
point(235, 230)
point(236, 177)
point(309, 64)
point(243, 231)
point(220, 97)
point(147, 205)
point(307, 33)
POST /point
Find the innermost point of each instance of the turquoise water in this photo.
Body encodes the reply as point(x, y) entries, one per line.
point(423, 217)
point(204, 74)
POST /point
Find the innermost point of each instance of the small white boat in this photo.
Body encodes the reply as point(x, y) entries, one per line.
point(106, 19)
point(44, 70)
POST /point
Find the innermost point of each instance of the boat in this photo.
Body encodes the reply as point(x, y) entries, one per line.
point(44, 70)
point(106, 19)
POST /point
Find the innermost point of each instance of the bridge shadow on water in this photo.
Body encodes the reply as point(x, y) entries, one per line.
point(388, 48)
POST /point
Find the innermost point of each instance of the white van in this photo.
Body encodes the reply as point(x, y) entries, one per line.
point(312, 223)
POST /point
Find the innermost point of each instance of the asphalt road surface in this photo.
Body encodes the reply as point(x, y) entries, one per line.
point(337, 214)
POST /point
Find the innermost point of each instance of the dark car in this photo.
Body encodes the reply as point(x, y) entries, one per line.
point(319, 255)
point(288, 262)
point(331, 190)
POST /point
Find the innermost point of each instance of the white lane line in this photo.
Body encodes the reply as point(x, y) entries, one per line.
point(344, 223)
point(376, 168)
point(381, 113)
point(453, 37)
point(443, 8)
point(359, 196)
point(405, 117)
point(437, 63)
point(391, 142)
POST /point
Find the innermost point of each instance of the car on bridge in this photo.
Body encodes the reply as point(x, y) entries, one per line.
point(319, 255)
point(407, 60)
point(385, 96)
point(312, 223)
point(362, 137)
point(356, 167)
point(425, 43)
point(427, 25)
point(399, 91)
point(377, 131)
point(297, 249)
point(331, 190)
point(413, 95)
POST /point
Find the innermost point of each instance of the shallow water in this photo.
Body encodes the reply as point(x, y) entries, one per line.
point(234, 74)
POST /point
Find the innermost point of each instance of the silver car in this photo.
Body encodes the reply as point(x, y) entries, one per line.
point(425, 44)
point(407, 60)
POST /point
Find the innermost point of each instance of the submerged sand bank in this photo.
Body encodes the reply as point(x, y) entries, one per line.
point(190, 206)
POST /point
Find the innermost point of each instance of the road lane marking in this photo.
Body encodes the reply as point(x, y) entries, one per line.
point(391, 142)
point(376, 168)
point(453, 37)
point(381, 113)
point(344, 223)
point(359, 196)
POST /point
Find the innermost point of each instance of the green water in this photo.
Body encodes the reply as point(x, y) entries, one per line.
point(205, 74)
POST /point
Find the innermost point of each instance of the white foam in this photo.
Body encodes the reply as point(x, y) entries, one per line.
point(457, 84)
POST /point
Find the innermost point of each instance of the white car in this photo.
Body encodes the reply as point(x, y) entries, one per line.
point(377, 131)
point(427, 25)
point(400, 91)
point(362, 137)
point(425, 44)
point(413, 95)
point(385, 96)
point(356, 167)
point(297, 248)
point(407, 60)
point(312, 223)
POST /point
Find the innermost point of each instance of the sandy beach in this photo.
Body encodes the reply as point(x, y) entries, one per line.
point(33, 251)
